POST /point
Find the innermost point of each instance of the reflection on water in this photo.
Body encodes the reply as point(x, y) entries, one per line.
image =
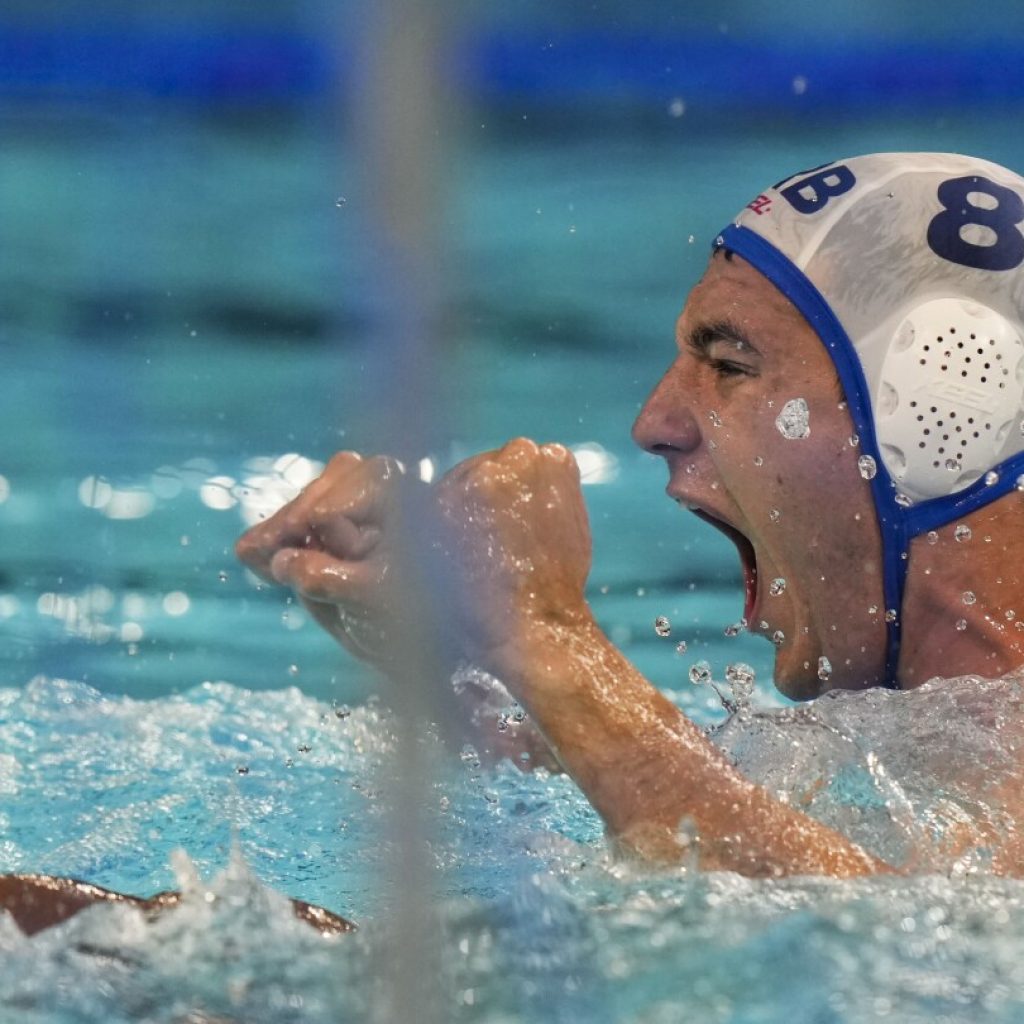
point(538, 924)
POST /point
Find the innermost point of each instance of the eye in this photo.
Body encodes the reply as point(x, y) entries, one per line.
point(725, 368)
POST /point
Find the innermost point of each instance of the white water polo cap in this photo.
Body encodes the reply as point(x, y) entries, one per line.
point(910, 267)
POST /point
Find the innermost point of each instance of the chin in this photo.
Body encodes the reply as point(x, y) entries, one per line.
point(796, 672)
point(799, 683)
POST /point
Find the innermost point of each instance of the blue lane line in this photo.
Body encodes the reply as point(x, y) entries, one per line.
point(712, 72)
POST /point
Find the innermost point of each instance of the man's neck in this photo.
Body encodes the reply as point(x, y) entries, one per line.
point(963, 611)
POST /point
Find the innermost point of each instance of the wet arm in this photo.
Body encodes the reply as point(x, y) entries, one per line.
point(647, 769)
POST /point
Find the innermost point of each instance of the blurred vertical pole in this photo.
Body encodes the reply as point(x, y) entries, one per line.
point(399, 136)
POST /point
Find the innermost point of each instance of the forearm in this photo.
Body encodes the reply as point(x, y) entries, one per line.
point(646, 768)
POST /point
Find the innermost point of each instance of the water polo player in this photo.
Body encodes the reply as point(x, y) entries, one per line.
point(845, 404)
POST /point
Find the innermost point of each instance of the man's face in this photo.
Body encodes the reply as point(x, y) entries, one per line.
point(797, 507)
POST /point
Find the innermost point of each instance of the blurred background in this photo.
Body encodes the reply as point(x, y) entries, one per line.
point(191, 289)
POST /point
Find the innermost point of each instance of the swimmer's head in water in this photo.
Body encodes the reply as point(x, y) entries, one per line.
point(910, 268)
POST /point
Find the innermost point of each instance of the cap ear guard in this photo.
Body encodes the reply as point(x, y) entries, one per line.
point(949, 395)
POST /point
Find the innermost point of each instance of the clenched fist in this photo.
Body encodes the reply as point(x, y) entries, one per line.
point(500, 547)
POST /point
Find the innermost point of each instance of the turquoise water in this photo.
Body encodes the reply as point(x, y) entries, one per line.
point(182, 307)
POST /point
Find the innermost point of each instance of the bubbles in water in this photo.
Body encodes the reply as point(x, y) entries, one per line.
point(681, 647)
point(962, 533)
point(774, 514)
point(662, 626)
point(700, 673)
point(242, 769)
point(961, 625)
point(824, 668)
point(778, 638)
point(853, 440)
point(794, 420)
point(932, 537)
point(293, 670)
point(890, 614)
point(867, 466)
point(969, 597)
point(740, 677)
point(777, 586)
point(758, 460)
point(1019, 482)
point(952, 465)
point(1010, 614)
point(991, 477)
point(340, 202)
point(222, 576)
point(903, 500)
point(676, 109)
point(716, 420)
point(734, 629)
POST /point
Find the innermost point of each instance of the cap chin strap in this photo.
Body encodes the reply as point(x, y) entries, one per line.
point(899, 520)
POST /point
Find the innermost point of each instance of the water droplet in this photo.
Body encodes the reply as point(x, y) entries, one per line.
point(734, 629)
point(716, 420)
point(961, 625)
point(867, 466)
point(293, 670)
point(774, 514)
point(824, 668)
point(681, 647)
point(932, 537)
point(890, 614)
point(962, 533)
point(778, 638)
point(700, 673)
point(794, 420)
point(952, 465)
point(662, 626)
point(758, 461)
point(969, 597)
point(340, 202)
point(853, 441)
point(777, 586)
point(741, 678)
point(991, 477)
point(903, 500)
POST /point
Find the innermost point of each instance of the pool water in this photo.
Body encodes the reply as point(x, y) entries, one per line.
point(183, 330)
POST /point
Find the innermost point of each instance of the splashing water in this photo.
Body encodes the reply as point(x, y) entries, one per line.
point(529, 892)
point(794, 420)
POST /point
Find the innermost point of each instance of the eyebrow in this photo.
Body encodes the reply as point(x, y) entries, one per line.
point(703, 336)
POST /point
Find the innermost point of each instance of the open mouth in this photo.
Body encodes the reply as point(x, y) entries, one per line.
point(747, 558)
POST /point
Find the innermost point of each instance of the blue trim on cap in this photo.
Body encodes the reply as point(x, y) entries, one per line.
point(892, 522)
point(936, 512)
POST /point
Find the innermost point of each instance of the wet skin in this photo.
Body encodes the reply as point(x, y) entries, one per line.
point(744, 351)
point(37, 902)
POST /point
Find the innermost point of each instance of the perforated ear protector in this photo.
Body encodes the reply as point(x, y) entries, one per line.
point(948, 396)
point(910, 268)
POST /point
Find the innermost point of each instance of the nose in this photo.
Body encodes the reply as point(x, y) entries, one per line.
point(666, 423)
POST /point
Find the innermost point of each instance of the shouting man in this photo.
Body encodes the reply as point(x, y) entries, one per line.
point(845, 404)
